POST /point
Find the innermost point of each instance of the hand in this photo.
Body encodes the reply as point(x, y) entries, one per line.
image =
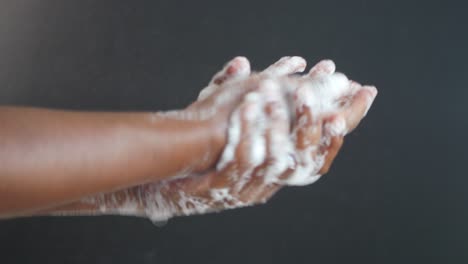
point(325, 105)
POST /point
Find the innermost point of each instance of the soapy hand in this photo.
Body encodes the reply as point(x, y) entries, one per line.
point(283, 130)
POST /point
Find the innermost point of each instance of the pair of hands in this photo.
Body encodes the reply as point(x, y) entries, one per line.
point(282, 129)
point(279, 133)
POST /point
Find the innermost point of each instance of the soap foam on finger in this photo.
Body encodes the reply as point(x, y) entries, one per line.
point(237, 68)
point(324, 67)
point(277, 136)
point(286, 65)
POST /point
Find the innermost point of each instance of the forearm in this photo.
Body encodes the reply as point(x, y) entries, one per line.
point(50, 157)
point(157, 201)
point(154, 200)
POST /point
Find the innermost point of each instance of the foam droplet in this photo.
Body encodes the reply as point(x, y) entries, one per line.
point(159, 223)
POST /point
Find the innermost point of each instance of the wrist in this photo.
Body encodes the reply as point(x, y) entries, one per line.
point(198, 141)
point(211, 141)
point(216, 131)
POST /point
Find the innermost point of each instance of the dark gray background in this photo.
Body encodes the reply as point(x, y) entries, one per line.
point(396, 193)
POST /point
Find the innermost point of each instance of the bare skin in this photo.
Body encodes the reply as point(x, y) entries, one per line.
point(254, 189)
point(52, 157)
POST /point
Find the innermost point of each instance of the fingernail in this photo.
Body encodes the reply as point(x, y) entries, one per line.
point(232, 69)
point(328, 64)
point(323, 67)
point(372, 90)
point(299, 63)
point(239, 65)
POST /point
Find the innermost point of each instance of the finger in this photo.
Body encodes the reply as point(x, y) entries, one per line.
point(316, 158)
point(248, 154)
point(251, 150)
point(277, 144)
point(285, 66)
point(334, 129)
point(237, 68)
point(334, 126)
point(203, 193)
point(246, 145)
point(306, 135)
point(307, 131)
point(267, 192)
point(331, 153)
point(328, 89)
point(234, 135)
point(358, 107)
point(253, 186)
point(324, 67)
point(354, 86)
point(345, 99)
